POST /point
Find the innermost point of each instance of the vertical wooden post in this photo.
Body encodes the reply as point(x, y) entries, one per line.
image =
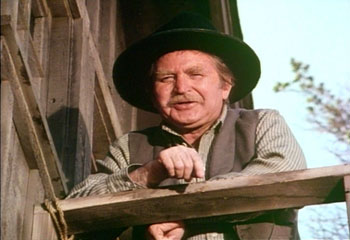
point(32, 198)
point(43, 227)
point(347, 196)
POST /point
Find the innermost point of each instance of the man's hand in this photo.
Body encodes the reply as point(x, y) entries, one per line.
point(177, 162)
point(166, 231)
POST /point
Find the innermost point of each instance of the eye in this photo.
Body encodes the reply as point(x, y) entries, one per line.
point(196, 75)
point(165, 78)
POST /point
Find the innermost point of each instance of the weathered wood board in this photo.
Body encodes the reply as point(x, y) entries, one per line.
point(212, 198)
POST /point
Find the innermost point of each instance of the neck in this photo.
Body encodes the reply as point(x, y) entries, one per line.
point(193, 135)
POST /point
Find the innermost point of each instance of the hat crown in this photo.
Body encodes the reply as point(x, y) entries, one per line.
point(187, 20)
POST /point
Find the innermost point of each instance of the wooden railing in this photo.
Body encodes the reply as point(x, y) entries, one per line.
point(212, 198)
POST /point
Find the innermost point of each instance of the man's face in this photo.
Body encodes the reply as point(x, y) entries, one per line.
point(188, 91)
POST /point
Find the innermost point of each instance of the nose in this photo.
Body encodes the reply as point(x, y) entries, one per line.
point(182, 83)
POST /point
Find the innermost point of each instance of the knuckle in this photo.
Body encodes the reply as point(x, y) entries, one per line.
point(179, 165)
point(188, 164)
point(161, 155)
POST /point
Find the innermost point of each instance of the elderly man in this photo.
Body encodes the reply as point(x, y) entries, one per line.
point(186, 71)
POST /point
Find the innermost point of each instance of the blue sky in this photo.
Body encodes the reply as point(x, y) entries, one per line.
point(316, 32)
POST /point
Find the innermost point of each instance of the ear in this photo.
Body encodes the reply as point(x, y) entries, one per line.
point(226, 89)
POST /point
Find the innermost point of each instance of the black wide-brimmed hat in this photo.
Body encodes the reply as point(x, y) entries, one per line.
point(187, 31)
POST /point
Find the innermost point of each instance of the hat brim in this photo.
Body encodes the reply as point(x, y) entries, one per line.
point(132, 67)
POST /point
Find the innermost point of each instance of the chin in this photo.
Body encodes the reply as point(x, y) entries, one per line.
point(186, 123)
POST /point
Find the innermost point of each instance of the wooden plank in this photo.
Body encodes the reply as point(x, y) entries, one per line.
point(347, 197)
point(82, 98)
point(63, 92)
point(34, 124)
point(24, 7)
point(59, 8)
point(41, 47)
point(40, 8)
point(14, 170)
point(212, 198)
point(103, 83)
point(14, 178)
point(102, 80)
point(10, 8)
point(35, 195)
point(35, 72)
point(117, 26)
point(43, 227)
point(29, 58)
point(7, 103)
point(61, 109)
point(110, 44)
point(102, 133)
point(64, 8)
point(74, 8)
point(93, 9)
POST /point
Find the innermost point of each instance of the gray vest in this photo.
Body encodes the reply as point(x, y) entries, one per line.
point(232, 149)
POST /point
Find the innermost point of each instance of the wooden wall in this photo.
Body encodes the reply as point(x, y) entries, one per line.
point(59, 108)
point(57, 99)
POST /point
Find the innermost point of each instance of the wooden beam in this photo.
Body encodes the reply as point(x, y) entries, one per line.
point(347, 196)
point(103, 131)
point(35, 195)
point(38, 137)
point(74, 8)
point(212, 198)
point(59, 8)
point(43, 227)
point(82, 98)
point(40, 8)
point(101, 77)
point(64, 8)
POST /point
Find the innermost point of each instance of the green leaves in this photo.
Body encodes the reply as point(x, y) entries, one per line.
point(327, 112)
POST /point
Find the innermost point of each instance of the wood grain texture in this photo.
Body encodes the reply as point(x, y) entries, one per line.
point(33, 125)
point(103, 131)
point(100, 74)
point(60, 8)
point(43, 227)
point(212, 198)
point(35, 195)
point(14, 178)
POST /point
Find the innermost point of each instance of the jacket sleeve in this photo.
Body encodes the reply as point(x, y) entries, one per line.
point(113, 173)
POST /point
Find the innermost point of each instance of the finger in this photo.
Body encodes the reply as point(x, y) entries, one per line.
point(198, 168)
point(188, 164)
point(154, 232)
point(188, 167)
point(176, 232)
point(168, 163)
point(169, 226)
point(179, 165)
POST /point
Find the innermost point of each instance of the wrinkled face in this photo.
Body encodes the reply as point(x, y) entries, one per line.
point(188, 91)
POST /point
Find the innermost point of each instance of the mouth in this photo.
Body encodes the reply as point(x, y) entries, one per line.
point(183, 105)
